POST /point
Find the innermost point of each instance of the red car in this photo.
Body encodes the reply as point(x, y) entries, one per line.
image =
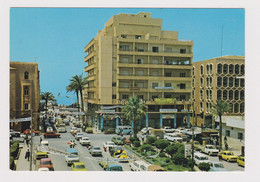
point(51, 134)
point(46, 162)
point(28, 131)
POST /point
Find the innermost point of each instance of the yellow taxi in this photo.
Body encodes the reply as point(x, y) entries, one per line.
point(228, 156)
point(78, 166)
point(121, 154)
point(241, 161)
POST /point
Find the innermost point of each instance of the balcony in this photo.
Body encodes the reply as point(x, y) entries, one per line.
point(89, 67)
point(132, 76)
point(159, 101)
point(91, 77)
point(89, 56)
point(157, 65)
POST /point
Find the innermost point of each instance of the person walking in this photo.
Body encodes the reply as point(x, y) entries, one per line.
point(27, 142)
point(40, 140)
point(27, 155)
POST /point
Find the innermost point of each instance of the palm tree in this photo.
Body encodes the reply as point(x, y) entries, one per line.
point(134, 110)
point(219, 108)
point(77, 85)
point(47, 96)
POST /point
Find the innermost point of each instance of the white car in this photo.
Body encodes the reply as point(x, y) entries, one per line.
point(49, 129)
point(43, 169)
point(95, 150)
point(84, 141)
point(200, 158)
point(70, 159)
point(146, 130)
point(138, 165)
point(168, 129)
point(108, 144)
point(78, 136)
point(172, 137)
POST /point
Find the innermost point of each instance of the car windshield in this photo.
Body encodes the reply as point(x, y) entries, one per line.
point(210, 147)
point(72, 157)
point(110, 143)
point(46, 162)
point(96, 148)
point(116, 168)
point(229, 153)
point(85, 138)
point(81, 166)
point(219, 165)
point(203, 158)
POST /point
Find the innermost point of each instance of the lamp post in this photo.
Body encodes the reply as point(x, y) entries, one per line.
point(31, 140)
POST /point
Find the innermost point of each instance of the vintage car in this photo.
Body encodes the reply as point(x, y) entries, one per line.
point(41, 155)
point(108, 145)
point(118, 140)
point(84, 141)
point(78, 136)
point(46, 162)
point(109, 131)
point(28, 131)
point(78, 166)
point(114, 167)
point(241, 161)
point(122, 155)
point(216, 166)
point(228, 156)
point(89, 130)
point(95, 151)
point(51, 134)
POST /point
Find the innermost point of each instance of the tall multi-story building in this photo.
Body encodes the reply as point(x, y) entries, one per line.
point(133, 56)
point(24, 94)
point(220, 78)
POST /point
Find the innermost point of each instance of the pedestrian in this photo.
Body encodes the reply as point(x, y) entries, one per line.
point(40, 140)
point(225, 139)
point(226, 145)
point(219, 157)
point(27, 142)
point(27, 155)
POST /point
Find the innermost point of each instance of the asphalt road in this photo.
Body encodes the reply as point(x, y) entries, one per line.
point(90, 162)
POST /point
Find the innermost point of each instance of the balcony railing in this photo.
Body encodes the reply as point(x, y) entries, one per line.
point(145, 50)
point(174, 76)
point(173, 63)
point(156, 88)
point(159, 101)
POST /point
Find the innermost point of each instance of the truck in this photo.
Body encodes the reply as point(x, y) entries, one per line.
point(208, 149)
point(58, 121)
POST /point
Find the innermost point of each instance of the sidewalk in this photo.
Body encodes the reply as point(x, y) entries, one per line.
point(23, 164)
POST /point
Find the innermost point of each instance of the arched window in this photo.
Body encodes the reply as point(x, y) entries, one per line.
point(210, 94)
point(231, 69)
point(231, 82)
point(224, 95)
point(219, 82)
point(225, 69)
point(26, 90)
point(207, 69)
point(242, 95)
point(242, 69)
point(236, 95)
point(210, 80)
point(230, 95)
point(207, 92)
point(236, 108)
point(210, 67)
point(201, 82)
point(242, 82)
point(201, 69)
point(219, 94)
point(26, 75)
point(225, 80)
point(237, 69)
point(193, 71)
point(201, 94)
point(219, 68)
point(242, 108)
point(236, 82)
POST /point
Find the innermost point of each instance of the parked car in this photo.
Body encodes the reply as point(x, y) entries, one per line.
point(73, 129)
point(84, 141)
point(118, 140)
point(62, 129)
point(110, 131)
point(45, 142)
point(241, 161)
point(78, 136)
point(95, 151)
point(168, 129)
point(146, 130)
point(137, 165)
point(216, 166)
point(172, 137)
point(228, 156)
point(208, 149)
point(108, 145)
point(41, 155)
point(89, 130)
point(122, 155)
point(114, 167)
point(124, 130)
point(51, 134)
point(28, 131)
point(46, 162)
point(78, 166)
point(200, 158)
point(43, 169)
point(70, 159)
point(183, 136)
point(15, 133)
point(66, 122)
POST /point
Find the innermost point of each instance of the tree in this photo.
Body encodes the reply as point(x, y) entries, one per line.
point(47, 96)
point(151, 140)
point(77, 85)
point(146, 147)
point(219, 108)
point(134, 110)
point(162, 144)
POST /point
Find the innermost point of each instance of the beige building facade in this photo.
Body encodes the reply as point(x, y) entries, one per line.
point(133, 56)
point(24, 94)
point(221, 78)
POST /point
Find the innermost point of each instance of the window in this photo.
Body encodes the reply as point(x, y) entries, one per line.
point(193, 71)
point(219, 69)
point(236, 82)
point(211, 68)
point(124, 47)
point(207, 93)
point(123, 36)
point(26, 106)
point(207, 69)
point(140, 61)
point(26, 90)
point(230, 95)
point(138, 37)
point(168, 74)
point(182, 51)
point(125, 96)
point(219, 95)
point(219, 82)
point(168, 49)
point(140, 72)
point(155, 49)
point(210, 94)
point(210, 81)
point(242, 95)
point(201, 69)
point(167, 96)
point(182, 97)
point(167, 84)
point(182, 86)
point(225, 69)
point(227, 133)
point(236, 108)
point(240, 136)
point(242, 82)
point(225, 80)
point(242, 69)
point(242, 109)
point(224, 95)
point(154, 96)
point(113, 96)
point(113, 84)
point(154, 61)
point(26, 75)
point(207, 81)
point(125, 60)
point(231, 83)
point(201, 82)
point(231, 69)
point(236, 94)
point(237, 69)
point(201, 94)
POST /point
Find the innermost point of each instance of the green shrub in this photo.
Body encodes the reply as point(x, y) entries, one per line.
point(178, 158)
point(162, 144)
point(162, 154)
point(136, 143)
point(132, 139)
point(12, 164)
point(167, 160)
point(151, 140)
point(204, 166)
point(14, 149)
point(146, 147)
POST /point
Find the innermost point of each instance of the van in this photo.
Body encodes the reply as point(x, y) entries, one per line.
point(138, 166)
point(200, 158)
point(125, 130)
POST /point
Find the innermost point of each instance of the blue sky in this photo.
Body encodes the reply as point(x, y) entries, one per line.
point(56, 37)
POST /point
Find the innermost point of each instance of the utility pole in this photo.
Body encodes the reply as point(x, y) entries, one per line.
point(31, 140)
point(192, 144)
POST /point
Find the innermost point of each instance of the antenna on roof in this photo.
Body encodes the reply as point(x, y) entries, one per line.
point(222, 41)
